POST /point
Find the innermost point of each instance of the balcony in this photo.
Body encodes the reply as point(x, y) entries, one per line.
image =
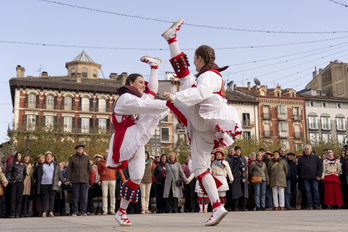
point(297, 117)
point(267, 116)
point(267, 133)
point(298, 135)
point(248, 124)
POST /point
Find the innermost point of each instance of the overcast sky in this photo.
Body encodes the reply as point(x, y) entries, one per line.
point(275, 57)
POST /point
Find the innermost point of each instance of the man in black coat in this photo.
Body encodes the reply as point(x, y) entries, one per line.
point(293, 178)
point(269, 197)
point(239, 186)
point(310, 168)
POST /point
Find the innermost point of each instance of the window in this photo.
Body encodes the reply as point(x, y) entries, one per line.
point(246, 134)
point(314, 137)
point(340, 124)
point(31, 121)
point(311, 104)
point(67, 124)
point(323, 104)
point(32, 101)
point(297, 129)
point(278, 94)
point(50, 102)
point(339, 105)
point(165, 134)
point(282, 112)
point(73, 72)
point(296, 113)
point(84, 125)
point(102, 124)
point(285, 143)
point(292, 94)
point(267, 127)
point(85, 104)
point(341, 138)
point(246, 119)
point(266, 114)
point(49, 122)
point(313, 122)
point(263, 93)
point(84, 72)
point(325, 123)
point(283, 129)
point(326, 137)
point(102, 105)
point(67, 103)
point(94, 73)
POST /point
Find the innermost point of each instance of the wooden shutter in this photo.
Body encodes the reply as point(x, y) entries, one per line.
point(62, 99)
point(43, 122)
point(80, 104)
point(37, 122)
point(108, 126)
point(97, 105)
point(44, 102)
point(97, 125)
point(73, 124)
point(73, 107)
point(24, 122)
point(91, 104)
point(79, 125)
point(91, 125)
point(38, 101)
point(108, 105)
point(55, 103)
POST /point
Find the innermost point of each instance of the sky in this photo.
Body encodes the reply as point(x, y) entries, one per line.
point(274, 41)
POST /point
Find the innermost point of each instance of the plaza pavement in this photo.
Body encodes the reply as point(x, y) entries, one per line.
point(294, 220)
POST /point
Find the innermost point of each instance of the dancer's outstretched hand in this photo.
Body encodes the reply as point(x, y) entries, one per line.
point(168, 96)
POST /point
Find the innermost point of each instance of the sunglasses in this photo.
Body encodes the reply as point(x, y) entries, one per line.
point(156, 156)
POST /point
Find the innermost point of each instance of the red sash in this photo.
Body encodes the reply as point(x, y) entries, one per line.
point(120, 130)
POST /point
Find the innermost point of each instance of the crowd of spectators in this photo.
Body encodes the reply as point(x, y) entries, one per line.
point(264, 180)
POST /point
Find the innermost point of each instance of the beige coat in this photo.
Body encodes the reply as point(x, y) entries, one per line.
point(27, 180)
point(3, 179)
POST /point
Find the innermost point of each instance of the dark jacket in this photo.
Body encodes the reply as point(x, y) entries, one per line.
point(78, 169)
point(288, 175)
point(309, 167)
point(344, 168)
point(266, 160)
point(57, 176)
point(293, 170)
point(238, 187)
point(16, 172)
point(277, 173)
point(158, 173)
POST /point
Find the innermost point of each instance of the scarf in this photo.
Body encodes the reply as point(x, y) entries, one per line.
point(83, 154)
point(164, 170)
point(276, 160)
point(171, 162)
point(49, 164)
point(147, 162)
point(307, 155)
point(259, 163)
point(332, 160)
point(128, 89)
point(26, 164)
point(242, 168)
point(218, 163)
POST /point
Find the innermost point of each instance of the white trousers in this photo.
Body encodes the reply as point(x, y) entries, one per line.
point(108, 186)
point(145, 189)
point(278, 192)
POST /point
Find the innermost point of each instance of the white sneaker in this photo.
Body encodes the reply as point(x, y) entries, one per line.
point(121, 218)
point(152, 61)
point(173, 30)
point(218, 214)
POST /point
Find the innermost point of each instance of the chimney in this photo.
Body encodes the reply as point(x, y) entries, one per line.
point(20, 71)
point(249, 88)
point(122, 78)
point(78, 77)
point(234, 87)
point(230, 86)
point(337, 61)
point(320, 70)
point(279, 86)
point(113, 76)
point(44, 74)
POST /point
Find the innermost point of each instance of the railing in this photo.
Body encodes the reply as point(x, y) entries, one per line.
point(248, 124)
point(267, 133)
point(298, 135)
point(297, 117)
point(267, 116)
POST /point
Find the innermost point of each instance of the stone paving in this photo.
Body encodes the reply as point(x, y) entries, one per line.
point(324, 220)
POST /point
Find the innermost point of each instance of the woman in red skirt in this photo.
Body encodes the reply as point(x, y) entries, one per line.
point(332, 184)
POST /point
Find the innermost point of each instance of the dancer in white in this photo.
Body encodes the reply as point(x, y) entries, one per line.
point(201, 106)
point(135, 117)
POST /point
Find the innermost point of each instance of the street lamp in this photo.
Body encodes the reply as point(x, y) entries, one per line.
point(28, 140)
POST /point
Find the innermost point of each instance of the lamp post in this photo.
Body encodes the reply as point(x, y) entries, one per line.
point(28, 140)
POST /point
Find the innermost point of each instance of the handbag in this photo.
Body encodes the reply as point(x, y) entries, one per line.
point(178, 183)
point(257, 179)
point(1, 191)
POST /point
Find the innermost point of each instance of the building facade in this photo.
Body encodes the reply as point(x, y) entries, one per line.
point(280, 115)
point(333, 79)
point(326, 116)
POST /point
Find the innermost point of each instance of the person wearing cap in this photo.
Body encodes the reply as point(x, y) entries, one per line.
point(293, 181)
point(78, 176)
point(269, 201)
point(220, 169)
point(97, 191)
